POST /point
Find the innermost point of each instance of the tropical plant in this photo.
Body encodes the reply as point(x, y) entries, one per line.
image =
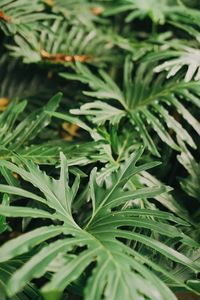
point(144, 101)
point(86, 210)
point(96, 243)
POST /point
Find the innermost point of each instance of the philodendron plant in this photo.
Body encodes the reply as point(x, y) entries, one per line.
point(99, 138)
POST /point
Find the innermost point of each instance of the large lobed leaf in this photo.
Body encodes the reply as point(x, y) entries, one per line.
point(146, 102)
point(117, 268)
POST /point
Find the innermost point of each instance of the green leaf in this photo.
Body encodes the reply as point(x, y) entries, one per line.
point(6, 270)
point(190, 184)
point(13, 137)
point(16, 211)
point(25, 242)
point(145, 101)
point(36, 266)
point(188, 56)
point(120, 269)
point(101, 112)
point(49, 187)
point(3, 224)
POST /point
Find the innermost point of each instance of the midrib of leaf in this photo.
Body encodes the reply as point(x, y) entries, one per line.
point(104, 201)
point(98, 242)
point(132, 162)
point(118, 267)
point(100, 245)
point(105, 249)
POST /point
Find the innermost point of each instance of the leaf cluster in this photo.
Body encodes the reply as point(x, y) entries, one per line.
point(92, 93)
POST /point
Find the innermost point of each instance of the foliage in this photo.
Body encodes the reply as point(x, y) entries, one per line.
point(92, 93)
point(113, 259)
point(143, 100)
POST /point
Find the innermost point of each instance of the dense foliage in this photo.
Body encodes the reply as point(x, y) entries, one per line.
point(99, 139)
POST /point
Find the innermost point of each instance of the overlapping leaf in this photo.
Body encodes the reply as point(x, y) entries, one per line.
point(21, 15)
point(118, 270)
point(146, 102)
point(160, 12)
